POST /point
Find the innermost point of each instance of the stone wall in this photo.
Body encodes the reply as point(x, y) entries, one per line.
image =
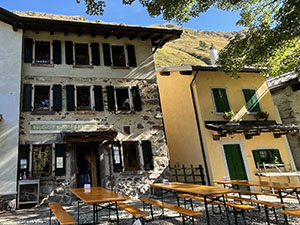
point(287, 102)
point(144, 125)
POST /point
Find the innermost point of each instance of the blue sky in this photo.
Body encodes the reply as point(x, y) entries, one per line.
point(213, 20)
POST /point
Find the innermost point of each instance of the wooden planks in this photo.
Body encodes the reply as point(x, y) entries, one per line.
point(291, 212)
point(61, 215)
point(132, 210)
point(268, 204)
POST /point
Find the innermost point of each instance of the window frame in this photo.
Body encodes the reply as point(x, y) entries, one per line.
point(138, 156)
point(270, 149)
point(125, 55)
point(35, 53)
point(88, 53)
point(91, 104)
point(50, 97)
point(214, 102)
point(258, 102)
point(50, 172)
point(130, 99)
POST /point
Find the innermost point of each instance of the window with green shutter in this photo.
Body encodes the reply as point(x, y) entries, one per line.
point(220, 100)
point(268, 156)
point(70, 98)
point(251, 100)
point(147, 155)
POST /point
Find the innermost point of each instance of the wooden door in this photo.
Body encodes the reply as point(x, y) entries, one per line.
point(235, 162)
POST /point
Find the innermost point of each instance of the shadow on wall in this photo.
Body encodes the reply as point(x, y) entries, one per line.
point(8, 160)
point(146, 70)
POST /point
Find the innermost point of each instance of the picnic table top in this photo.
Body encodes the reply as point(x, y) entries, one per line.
point(203, 190)
point(279, 186)
point(97, 195)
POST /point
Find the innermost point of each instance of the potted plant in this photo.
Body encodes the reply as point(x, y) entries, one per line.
point(230, 115)
point(262, 116)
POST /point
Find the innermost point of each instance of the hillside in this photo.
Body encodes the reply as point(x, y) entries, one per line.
point(191, 48)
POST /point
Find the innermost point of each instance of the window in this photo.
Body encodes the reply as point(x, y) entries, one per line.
point(131, 156)
point(41, 160)
point(251, 100)
point(268, 156)
point(118, 56)
point(81, 54)
point(42, 52)
point(41, 98)
point(123, 99)
point(220, 100)
point(83, 98)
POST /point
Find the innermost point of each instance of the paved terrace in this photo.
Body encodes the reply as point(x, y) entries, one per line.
point(40, 216)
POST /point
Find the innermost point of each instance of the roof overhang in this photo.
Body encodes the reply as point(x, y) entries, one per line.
point(158, 36)
point(1, 117)
point(250, 128)
point(89, 136)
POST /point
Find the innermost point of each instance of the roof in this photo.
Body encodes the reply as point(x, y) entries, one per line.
point(250, 128)
point(158, 36)
point(282, 81)
point(189, 68)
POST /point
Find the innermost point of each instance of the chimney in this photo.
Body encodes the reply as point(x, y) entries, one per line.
point(214, 55)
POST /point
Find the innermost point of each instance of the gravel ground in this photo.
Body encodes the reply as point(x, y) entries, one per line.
point(40, 216)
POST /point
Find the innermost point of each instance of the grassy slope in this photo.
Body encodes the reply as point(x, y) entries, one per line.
point(191, 48)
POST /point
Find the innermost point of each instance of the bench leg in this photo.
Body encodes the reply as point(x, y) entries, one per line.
point(235, 216)
point(267, 215)
point(243, 215)
point(50, 217)
point(274, 211)
point(78, 212)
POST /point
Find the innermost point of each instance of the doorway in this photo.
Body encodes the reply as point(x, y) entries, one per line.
point(235, 162)
point(87, 162)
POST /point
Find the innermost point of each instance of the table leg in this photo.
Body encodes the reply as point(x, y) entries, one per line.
point(118, 222)
point(226, 209)
point(94, 212)
point(78, 211)
point(283, 207)
point(162, 200)
point(206, 209)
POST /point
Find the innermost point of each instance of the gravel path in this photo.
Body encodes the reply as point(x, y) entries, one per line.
point(40, 216)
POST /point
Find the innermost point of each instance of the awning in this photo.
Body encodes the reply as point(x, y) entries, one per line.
point(250, 128)
point(88, 136)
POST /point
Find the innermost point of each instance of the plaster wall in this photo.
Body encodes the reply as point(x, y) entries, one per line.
point(145, 63)
point(10, 79)
point(287, 102)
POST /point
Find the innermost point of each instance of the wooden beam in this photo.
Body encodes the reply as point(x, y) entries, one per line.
point(107, 34)
point(15, 26)
point(51, 32)
point(133, 36)
point(93, 34)
point(80, 32)
point(120, 35)
point(145, 36)
point(157, 37)
point(66, 32)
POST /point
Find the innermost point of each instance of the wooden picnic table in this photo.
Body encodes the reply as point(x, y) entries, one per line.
point(209, 193)
point(97, 195)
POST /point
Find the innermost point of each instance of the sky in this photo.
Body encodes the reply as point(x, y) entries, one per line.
point(212, 20)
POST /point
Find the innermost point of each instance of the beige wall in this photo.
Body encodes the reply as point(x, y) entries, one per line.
point(145, 63)
point(180, 125)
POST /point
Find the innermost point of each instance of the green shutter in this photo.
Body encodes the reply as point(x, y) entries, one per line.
point(24, 152)
point(27, 97)
point(28, 50)
point(252, 103)
point(98, 98)
point(60, 153)
point(95, 54)
point(275, 152)
point(221, 100)
point(137, 105)
point(256, 157)
point(117, 159)
point(57, 103)
point(69, 52)
point(147, 154)
point(70, 98)
point(110, 98)
point(56, 52)
point(106, 54)
point(131, 56)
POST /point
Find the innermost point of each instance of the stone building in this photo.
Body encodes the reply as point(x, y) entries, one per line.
point(88, 92)
point(286, 94)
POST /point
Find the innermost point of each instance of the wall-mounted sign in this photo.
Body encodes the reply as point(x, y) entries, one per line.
point(59, 162)
point(52, 127)
point(23, 164)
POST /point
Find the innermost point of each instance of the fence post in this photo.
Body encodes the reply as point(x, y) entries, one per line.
point(193, 174)
point(184, 174)
point(202, 174)
point(176, 175)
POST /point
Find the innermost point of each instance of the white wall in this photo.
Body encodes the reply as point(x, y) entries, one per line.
point(10, 79)
point(145, 63)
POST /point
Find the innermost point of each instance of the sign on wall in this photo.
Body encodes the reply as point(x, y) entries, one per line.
point(53, 127)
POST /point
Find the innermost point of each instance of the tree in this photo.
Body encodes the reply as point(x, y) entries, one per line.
point(271, 39)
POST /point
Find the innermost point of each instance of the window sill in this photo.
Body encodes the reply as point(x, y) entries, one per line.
point(85, 112)
point(124, 112)
point(83, 66)
point(42, 113)
point(120, 67)
point(42, 65)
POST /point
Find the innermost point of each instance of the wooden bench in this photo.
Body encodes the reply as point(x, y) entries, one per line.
point(291, 212)
point(261, 193)
point(237, 208)
point(268, 205)
point(61, 215)
point(186, 214)
point(136, 213)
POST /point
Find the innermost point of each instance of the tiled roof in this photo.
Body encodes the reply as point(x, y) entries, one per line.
point(282, 80)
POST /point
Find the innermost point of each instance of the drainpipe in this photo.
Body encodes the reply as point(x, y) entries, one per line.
point(199, 129)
